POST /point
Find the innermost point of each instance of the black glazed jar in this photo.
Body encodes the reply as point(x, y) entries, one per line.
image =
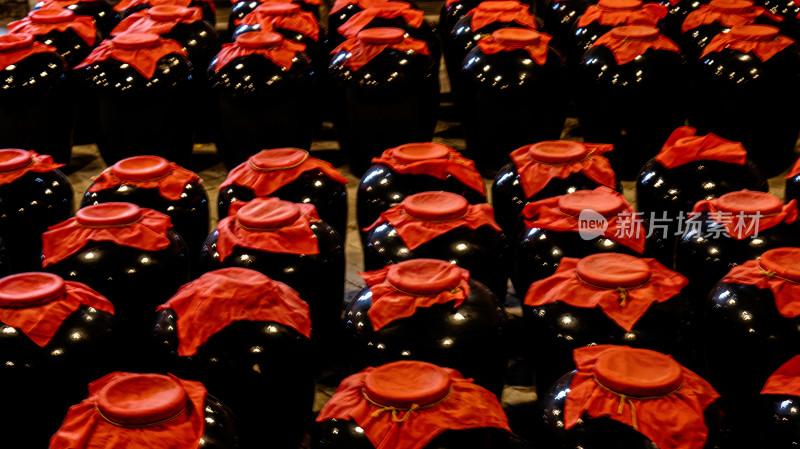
point(292, 22)
point(429, 310)
point(102, 11)
point(34, 194)
point(778, 420)
point(127, 8)
point(73, 36)
point(241, 9)
point(451, 11)
point(560, 16)
point(247, 339)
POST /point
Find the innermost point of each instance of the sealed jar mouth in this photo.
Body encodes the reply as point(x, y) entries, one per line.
point(731, 6)
point(259, 39)
point(167, 13)
point(436, 206)
point(406, 383)
point(749, 203)
point(754, 32)
point(13, 159)
point(639, 32)
point(516, 37)
point(264, 214)
point(416, 152)
point(391, 6)
point(17, 41)
point(142, 400)
point(141, 168)
point(498, 5)
point(619, 4)
point(381, 35)
point(557, 151)
point(108, 215)
point(30, 289)
point(278, 9)
point(639, 373)
point(604, 203)
point(135, 41)
point(783, 262)
point(613, 270)
point(424, 277)
point(51, 15)
point(278, 159)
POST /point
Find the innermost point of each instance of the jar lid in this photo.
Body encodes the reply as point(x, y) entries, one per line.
point(30, 289)
point(602, 202)
point(424, 277)
point(611, 270)
point(420, 151)
point(167, 13)
point(785, 262)
point(557, 151)
point(754, 32)
point(51, 15)
point(106, 215)
point(731, 5)
point(498, 5)
point(381, 35)
point(637, 372)
point(278, 158)
point(641, 32)
point(268, 213)
point(405, 383)
point(17, 41)
point(13, 159)
point(750, 202)
point(279, 9)
point(259, 39)
point(141, 168)
point(135, 41)
point(516, 37)
point(143, 399)
point(619, 4)
point(436, 206)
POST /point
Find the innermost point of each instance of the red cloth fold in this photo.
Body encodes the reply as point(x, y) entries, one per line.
point(646, 14)
point(83, 26)
point(307, 2)
point(672, 421)
point(763, 49)
point(141, 22)
point(785, 380)
point(389, 10)
point(761, 274)
point(739, 224)
point(712, 13)
point(282, 55)
point(504, 11)
point(454, 164)
point(362, 53)
point(683, 147)
point(363, 4)
point(302, 22)
point(170, 186)
point(626, 49)
point(124, 5)
point(144, 60)
point(229, 295)
point(14, 55)
point(794, 171)
point(538, 51)
point(39, 164)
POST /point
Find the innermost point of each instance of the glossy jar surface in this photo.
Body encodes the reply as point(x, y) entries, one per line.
point(342, 434)
point(792, 189)
point(451, 12)
point(102, 11)
point(560, 17)
point(780, 428)
point(788, 10)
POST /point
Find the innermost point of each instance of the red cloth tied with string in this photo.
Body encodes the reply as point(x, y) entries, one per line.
point(288, 230)
point(142, 22)
point(622, 225)
point(776, 270)
point(727, 13)
point(362, 53)
point(504, 11)
point(144, 60)
point(16, 47)
point(16, 163)
point(672, 418)
point(622, 286)
point(763, 41)
point(172, 412)
point(683, 147)
point(39, 314)
point(421, 217)
point(398, 290)
point(785, 380)
point(537, 51)
point(282, 54)
point(535, 173)
point(627, 47)
point(449, 162)
point(301, 21)
point(124, 5)
point(745, 213)
point(389, 10)
point(83, 26)
point(458, 405)
point(363, 4)
point(229, 295)
point(644, 14)
point(170, 182)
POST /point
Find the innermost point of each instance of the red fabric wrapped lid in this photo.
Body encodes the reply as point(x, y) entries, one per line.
point(158, 19)
point(388, 10)
point(135, 411)
point(432, 159)
point(268, 224)
point(794, 171)
point(46, 20)
point(643, 389)
point(623, 12)
point(745, 213)
point(509, 39)
point(38, 303)
point(629, 41)
point(123, 224)
point(622, 286)
point(683, 147)
point(785, 380)
point(763, 41)
point(287, 16)
point(563, 213)
point(778, 270)
point(363, 4)
point(307, 2)
point(140, 50)
point(18, 46)
point(268, 44)
point(540, 162)
point(406, 404)
point(269, 170)
point(505, 11)
point(370, 42)
point(125, 5)
point(216, 299)
point(14, 163)
point(424, 216)
point(398, 290)
point(728, 13)
point(146, 172)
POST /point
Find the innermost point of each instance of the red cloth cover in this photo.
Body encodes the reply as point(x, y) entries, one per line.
point(505, 11)
point(216, 299)
point(307, 2)
point(16, 47)
point(729, 13)
point(389, 10)
point(147, 230)
point(301, 21)
point(87, 425)
point(672, 419)
point(776, 270)
point(15, 163)
point(170, 182)
point(535, 173)
point(282, 53)
point(622, 286)
point(285, 228)
point(609, 15)
point(124, 5)
point(398, 290)
point(363, 4)
point(432, 159)
point(143, 22)
point(361, 53)
point(42, 314)
point(794, 171)
point(413, 425)
point(537, 51)
point(143, 59)
point(683, 147)
point(424, 216)
point(785, 380)
point(626, 43)
point(763, 41)
point(744, 213)
point(46, 20)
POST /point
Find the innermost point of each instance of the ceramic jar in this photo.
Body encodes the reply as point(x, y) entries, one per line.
point(73, 36)
point(241, 9)
point(778, 411)
point(788, 11)
point(127, 8)
point(54, 337)
point(247, 339)
point(34, 194)
point(102, 11)
point(451, 11)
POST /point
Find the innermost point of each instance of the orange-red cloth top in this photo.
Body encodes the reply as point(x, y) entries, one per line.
point(370, 42)
point(432, 159)
point(785, 380)
point(286, 16)
point(745, 213)
point(777, 270)
point(140, 50)
point(763, 41)
point(424, 216)
point(123, 224)
point(728, 13)
point(398, 290)
point(363, 4)
point(684, 146)
point(268, 224)
point(15, 163)
point(623, 12)
point(540, 162)
point(218, 298)
point(794, 171)
point(38, 303)
point(643, 389)
point(146, 172)
point(269, 170)
point(389, 10)
point(268, 44)
point(510, 39)
point(307, 2)
point(158, 19)
point(124, 5)
point(406, 404)
point(562, 213)
point(622, 286)
point(629, 41)
point(135, 411)
point(18, 46)
point(46, 20)
point(505, 11)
